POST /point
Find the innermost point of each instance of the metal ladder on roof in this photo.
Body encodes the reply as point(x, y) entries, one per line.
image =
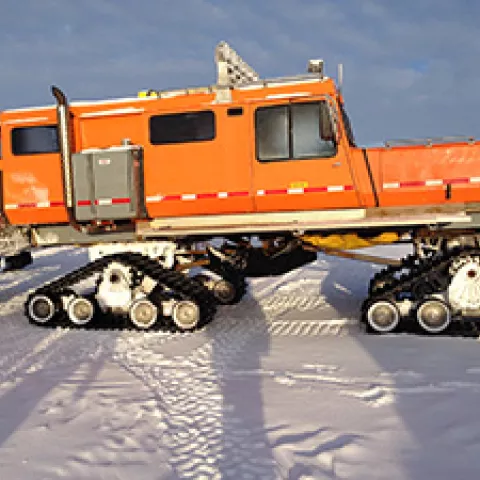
point(232, 70)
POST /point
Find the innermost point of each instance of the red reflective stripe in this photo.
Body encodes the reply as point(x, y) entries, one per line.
point(457, 181)
point(274, 191)
point(431, 182)
point(84, 203)
point(204, 196)
point(27, 205)
point(413, 183)
point(118, 201)
point(315, 189)
point(238, 194)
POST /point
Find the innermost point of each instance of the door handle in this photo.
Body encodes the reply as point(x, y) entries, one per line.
point(336, 164)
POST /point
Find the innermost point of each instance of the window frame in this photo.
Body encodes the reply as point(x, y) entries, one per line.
point(16, 153)
point(288, 107)
point(210, 113)
point(347, 125)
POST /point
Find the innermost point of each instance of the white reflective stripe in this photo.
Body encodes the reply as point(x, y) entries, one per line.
point(11, 206)
point(336, 188)
point(254, 86)
point(260, 192)
point(25, 120)
point(287, 95)
point(222, 194)
point(112, 101)
point(154, 198)
point(295, 190)
point(43, 204)
point(189, 196)
point(391, 185)
point(433, 183)
point(475, 180)
point(104, 201)
point(117, 111)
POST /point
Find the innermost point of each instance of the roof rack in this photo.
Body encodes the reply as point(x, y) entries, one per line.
point(234, 73)
point(429, 141)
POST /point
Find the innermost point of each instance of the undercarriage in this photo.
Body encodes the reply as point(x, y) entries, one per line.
point(177, 286)
point(432, 291)
point(158, 285)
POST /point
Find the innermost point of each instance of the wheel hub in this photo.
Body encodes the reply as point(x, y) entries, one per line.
point(143, 314)
point(383, 316)
point(224, 291)
point(115, 289)
point(186, 314)
point(41, 309)
point(80, 311)
point(464, 288)
point(433, 316)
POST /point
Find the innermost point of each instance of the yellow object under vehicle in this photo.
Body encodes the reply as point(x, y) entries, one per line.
point(349, 241)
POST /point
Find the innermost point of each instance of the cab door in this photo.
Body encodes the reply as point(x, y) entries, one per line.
point(300, 160)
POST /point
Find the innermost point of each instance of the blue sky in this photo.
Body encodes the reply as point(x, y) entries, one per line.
point(411, 67)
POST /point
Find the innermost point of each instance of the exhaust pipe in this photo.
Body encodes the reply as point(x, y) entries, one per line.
point(64, 129)
point(65, 151)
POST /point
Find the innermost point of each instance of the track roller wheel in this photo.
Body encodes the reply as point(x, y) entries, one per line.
point(433, 315)
point(80, 311)
point(186, 315)
point(143, 313)
point(224, 292)
point(41, 309)
point(382, 316)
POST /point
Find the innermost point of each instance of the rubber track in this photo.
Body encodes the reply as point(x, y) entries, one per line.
point(181, 286)
point(416, 278)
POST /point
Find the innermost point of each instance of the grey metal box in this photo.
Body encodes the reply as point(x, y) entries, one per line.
point(107, 183)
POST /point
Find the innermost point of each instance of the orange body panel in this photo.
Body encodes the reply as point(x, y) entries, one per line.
point(32, 184)
point(223, 175)
point(420, 175)
point(204, 169)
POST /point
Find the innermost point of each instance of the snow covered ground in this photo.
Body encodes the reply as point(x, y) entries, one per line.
point(284, 385)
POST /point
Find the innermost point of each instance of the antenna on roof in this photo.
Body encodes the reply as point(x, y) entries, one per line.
point(340, 77)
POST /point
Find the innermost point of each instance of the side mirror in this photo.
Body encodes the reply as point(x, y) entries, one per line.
point(327, 123)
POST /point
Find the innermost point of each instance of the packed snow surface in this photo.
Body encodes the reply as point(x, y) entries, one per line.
point(284, 385)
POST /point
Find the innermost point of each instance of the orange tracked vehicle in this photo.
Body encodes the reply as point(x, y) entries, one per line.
point(270, 167)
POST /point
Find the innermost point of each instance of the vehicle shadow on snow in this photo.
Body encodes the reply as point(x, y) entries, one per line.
point(244, 450)
point(419, 379)
point(34, 360)
point(246, 443)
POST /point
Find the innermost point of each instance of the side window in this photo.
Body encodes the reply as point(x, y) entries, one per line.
point(294, 132)
point(272, 133)
point(35, 140)
point(182, 127)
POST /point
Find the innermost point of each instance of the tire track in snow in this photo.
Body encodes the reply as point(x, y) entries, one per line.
point(199, 427)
